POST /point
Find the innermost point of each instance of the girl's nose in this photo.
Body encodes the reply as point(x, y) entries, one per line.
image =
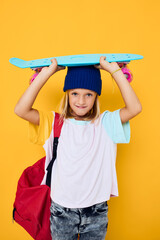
point(81, 100)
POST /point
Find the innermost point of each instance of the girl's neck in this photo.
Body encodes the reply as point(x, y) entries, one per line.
point(78, 118)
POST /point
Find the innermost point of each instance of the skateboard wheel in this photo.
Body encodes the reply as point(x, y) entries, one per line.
point(128, 74)
point(35, 74)
point(33, 77)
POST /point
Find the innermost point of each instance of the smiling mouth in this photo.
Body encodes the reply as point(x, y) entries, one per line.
point(80, 107)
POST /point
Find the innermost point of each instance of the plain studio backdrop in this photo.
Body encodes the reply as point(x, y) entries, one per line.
point(40, 29)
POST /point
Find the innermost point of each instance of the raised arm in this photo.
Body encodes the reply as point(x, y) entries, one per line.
point(132, 103)
point(23, 107)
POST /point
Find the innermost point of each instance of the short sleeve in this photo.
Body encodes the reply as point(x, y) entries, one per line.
point(119, 132)
point(38, 134)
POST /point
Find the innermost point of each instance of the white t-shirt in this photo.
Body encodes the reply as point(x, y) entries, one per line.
point(84, 172)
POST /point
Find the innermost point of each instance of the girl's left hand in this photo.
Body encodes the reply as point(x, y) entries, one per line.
point(105, 65)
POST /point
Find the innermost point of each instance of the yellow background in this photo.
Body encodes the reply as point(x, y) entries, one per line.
point(40, 29)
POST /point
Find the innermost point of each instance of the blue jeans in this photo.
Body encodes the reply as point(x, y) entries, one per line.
point(88, 223)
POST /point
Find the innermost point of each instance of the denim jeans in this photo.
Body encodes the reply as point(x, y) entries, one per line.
point(88, 223)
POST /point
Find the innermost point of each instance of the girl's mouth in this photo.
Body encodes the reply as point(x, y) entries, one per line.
point(80, 107)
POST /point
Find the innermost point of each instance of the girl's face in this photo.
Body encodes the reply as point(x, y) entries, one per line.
point(81, 101)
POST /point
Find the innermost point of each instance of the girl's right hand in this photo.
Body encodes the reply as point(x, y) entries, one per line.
point(53, 68)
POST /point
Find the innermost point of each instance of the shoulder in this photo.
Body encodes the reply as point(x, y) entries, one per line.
point(46, 116)
point(108, 115)
point(118, 132)
point(40, 133)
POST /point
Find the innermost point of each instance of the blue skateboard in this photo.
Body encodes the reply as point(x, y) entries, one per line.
point(75, 60)
point(78, 60)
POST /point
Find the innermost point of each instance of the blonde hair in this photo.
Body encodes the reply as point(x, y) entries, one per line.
point(65, 110)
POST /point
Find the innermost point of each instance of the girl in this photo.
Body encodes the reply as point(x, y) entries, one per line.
point(84, 174)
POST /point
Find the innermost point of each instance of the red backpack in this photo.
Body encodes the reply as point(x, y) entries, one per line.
point(32, 202)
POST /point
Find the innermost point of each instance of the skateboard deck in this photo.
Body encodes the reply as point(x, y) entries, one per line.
point(75, 60)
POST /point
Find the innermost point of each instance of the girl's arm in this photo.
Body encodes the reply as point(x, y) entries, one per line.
point(23, 107)
point(133, 105)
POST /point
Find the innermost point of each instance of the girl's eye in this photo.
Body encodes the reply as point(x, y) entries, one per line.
point(89, 94)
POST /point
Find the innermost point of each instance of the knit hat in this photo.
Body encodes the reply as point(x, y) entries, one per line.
point(87, 77)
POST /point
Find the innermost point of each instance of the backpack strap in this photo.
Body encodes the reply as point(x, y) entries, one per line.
point(57, 132)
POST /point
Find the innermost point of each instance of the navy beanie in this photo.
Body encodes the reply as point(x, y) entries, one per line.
point(87, 77)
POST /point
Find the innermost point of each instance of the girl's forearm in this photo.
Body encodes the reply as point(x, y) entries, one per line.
point(131, 100)
point(26, 101)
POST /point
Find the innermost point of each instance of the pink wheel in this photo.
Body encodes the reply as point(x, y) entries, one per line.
point(35, 74)
point(127, 73)
point(33, 77)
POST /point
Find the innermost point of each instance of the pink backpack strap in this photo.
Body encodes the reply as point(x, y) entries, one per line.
point(57, 131)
